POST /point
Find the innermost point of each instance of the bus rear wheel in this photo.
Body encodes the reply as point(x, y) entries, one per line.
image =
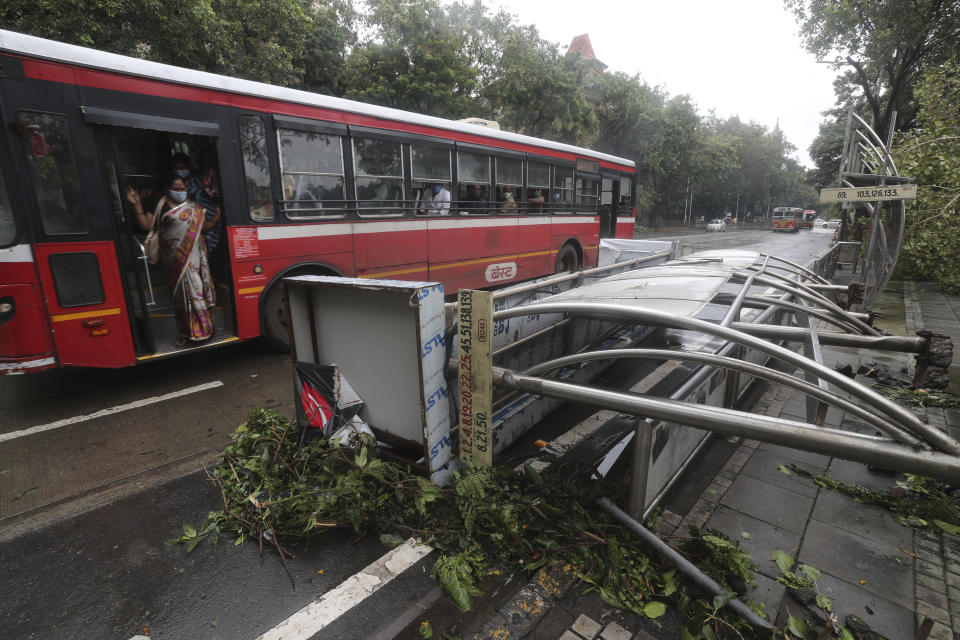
point(568, 259)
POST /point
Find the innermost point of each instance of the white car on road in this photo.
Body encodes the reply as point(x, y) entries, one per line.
point(716, 225)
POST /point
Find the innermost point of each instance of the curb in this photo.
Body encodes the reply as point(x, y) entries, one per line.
point(531, 603)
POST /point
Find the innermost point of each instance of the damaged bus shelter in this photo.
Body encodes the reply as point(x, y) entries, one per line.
point(441, 381)
point(711, 322)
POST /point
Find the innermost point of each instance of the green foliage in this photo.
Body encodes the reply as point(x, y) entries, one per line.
point(457, 576)
point(721, 557)
point(916, 501)
point(918, 397)
point(271, 41)
point(277, 491)
point(932, 156)
point(885, 45)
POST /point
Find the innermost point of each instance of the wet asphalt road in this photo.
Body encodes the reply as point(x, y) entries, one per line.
point(96, 563)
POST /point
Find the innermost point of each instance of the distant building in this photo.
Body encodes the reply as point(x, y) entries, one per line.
point(582, 45)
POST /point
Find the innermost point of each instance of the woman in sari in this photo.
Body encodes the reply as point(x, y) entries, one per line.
point(183, 254)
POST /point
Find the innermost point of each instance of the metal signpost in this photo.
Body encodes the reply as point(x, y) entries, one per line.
point(475, 361)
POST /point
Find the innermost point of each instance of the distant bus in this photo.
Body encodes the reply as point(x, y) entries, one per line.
point(809, 215)
point(786, 219)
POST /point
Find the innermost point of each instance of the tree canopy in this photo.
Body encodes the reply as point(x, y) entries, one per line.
point(931, 154)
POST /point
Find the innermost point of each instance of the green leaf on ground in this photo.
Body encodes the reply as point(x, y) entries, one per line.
point(654, 609)
point(784, 561)
point(782, 469)
point(797, 626)
point(946, 526)
point(812, 572)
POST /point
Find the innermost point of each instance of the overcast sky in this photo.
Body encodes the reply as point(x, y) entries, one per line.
point(735, 57)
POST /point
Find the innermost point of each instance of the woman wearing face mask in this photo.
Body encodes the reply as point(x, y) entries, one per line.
point(183, 254)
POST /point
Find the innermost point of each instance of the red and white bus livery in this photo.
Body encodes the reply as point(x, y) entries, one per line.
point(786, 219)
point(308, 184)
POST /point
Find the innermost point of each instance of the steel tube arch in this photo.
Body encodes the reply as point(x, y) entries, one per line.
point(609, 311)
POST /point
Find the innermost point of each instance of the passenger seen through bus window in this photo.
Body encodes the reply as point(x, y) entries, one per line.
point(435, 200)
point(535, 201)
point(473, 200)
point(508, 205)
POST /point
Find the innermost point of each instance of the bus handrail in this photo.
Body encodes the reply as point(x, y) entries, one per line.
point(146, 270)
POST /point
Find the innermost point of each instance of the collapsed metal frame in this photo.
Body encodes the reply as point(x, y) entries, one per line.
point(906, 443)
point(866, 162)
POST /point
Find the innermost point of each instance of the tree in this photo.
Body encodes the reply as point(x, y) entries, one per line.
point(270, 41)
point(414, 60)
point(931, 154)
point(887, 44)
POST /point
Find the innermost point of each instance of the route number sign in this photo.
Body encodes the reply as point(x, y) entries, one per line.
point(869, 194)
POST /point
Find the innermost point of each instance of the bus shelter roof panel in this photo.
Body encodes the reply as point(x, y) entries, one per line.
point(678, 294)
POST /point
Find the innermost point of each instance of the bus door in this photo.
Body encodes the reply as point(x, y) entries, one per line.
point(135, 156)
point(609, 199)
point(73, 250)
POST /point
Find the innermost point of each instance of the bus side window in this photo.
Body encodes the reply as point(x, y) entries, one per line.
point(256, 167)
point(56, 185)
point(588, 195)
point(313, 177)
point(473, 182)
point(378, 171)
point(561, 199)
point(538, 180)
point(625, 191)
point(509, 180)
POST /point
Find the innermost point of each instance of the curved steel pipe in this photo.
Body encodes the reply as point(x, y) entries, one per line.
point(742, 366)
point(803, 269)
point(790, 433)
point(816, 298)
point(607, 311)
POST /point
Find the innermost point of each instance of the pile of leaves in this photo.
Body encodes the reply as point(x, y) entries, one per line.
point(918, 397)
point(278, 491)
point(916, 501)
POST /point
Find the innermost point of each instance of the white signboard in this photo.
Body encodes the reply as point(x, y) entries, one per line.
point(475, 359)
point(869, 194)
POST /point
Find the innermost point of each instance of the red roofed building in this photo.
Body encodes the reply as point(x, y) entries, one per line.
point(581, 44)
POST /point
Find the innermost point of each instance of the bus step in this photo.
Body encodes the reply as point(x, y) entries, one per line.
point(163, 322)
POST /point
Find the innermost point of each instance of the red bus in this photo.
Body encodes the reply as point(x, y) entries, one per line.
point(308, 184)
point(809, 215)
point(786, 219)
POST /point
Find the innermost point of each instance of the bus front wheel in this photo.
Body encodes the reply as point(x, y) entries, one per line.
point(568, 260)
point(275, 329)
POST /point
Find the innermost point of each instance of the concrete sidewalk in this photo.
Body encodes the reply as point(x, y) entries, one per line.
point(889, 576)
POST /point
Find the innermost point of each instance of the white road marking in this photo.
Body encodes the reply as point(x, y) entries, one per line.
point(110, 411)
point(333, 604)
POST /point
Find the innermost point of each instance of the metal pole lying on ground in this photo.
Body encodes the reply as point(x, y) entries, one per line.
point(685, 567)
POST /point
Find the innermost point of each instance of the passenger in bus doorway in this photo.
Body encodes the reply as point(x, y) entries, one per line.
point(204, 187)
point(436, 200)
point(183, 254)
